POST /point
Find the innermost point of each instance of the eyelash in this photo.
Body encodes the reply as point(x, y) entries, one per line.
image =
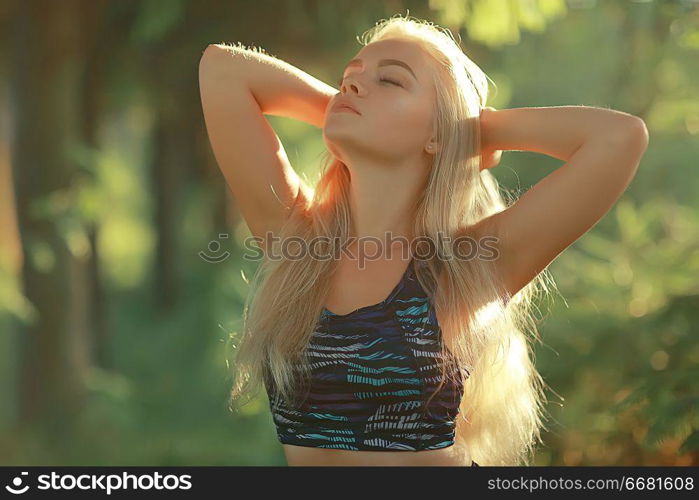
point(339, 83)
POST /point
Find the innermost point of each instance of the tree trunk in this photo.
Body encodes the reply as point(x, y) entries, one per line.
point(48, 64)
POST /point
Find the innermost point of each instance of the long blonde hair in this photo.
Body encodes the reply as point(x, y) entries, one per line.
point(501, 411)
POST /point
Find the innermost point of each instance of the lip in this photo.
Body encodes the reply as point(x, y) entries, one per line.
point(343, 106)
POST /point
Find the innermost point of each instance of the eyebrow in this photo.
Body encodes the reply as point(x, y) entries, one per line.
point(386, 62)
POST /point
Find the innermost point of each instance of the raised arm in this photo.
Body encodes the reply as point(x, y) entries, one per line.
point(602, 148)
point(238, 86)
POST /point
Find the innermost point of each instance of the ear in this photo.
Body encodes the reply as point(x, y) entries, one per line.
point(432, 147)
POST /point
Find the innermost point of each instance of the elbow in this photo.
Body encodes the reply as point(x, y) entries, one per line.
point(216, 61)
point(641, 131)
point(216, 49)
point(206, 57)
point(635, 142)
point(211, 51)
point(637, 132)
point(212, 47)
point(629, 134)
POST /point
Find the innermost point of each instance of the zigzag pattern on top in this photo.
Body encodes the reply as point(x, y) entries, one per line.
point(372, 372)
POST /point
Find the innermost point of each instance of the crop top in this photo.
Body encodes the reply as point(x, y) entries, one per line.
point(372, 372)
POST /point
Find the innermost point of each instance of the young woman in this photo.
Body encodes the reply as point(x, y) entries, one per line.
point(417, 356)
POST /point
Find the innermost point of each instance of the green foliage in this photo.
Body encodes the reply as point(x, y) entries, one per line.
point(498, 22)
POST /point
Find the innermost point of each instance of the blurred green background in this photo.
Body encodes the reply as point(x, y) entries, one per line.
point(114, 329)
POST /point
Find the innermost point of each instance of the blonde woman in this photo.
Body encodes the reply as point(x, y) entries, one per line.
point(417, 354)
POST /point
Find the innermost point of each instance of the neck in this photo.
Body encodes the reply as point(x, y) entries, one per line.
point(383, 202)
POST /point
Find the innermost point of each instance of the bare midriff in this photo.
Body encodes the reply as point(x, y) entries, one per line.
point(308, 456)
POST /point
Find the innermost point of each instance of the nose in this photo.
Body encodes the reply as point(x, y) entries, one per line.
point(351, 84)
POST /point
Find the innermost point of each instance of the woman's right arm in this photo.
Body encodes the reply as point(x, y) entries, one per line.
point(238, 87)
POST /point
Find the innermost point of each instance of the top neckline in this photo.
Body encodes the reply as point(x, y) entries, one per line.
point(389, 298)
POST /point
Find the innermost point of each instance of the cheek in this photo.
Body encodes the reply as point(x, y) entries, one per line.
point(405, 108)
point(403, 121)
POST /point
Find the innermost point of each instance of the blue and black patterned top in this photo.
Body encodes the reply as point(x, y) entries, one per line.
point(372, 371)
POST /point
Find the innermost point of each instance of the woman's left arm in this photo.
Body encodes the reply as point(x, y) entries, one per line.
point(602, 149)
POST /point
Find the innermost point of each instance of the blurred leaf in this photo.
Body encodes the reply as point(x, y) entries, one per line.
point(156, 19)
point(691, 443)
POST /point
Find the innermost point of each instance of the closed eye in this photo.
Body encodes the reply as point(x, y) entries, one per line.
point(390, 81)
point(339, 82)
